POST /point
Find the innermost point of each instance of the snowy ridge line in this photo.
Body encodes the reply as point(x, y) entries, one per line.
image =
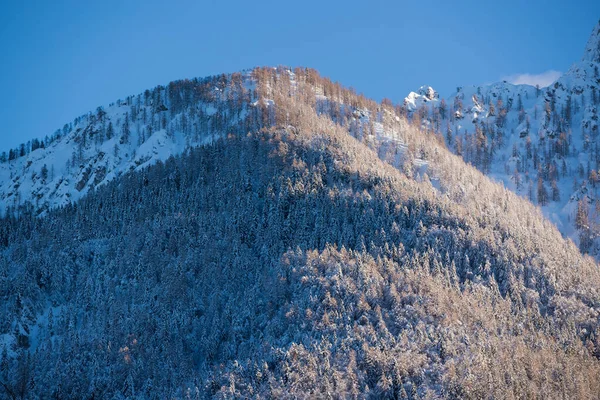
point(125, 136)
point(542, 143)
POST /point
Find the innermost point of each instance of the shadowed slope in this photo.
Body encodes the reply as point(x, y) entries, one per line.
point(336, 252)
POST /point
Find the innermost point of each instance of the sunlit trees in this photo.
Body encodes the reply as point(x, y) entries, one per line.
point(298, 255)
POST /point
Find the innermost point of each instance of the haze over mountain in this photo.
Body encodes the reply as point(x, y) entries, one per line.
point(270, 233)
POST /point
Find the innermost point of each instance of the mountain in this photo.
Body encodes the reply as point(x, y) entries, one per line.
point(282, 236)
point(592, 49)
point(542, 143)
point(418, 99)
point(128, 135)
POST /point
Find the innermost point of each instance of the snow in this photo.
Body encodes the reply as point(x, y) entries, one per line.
point(97, 163)
point(475, 106)
point(592, 49)
point(423, 95)
point(466, 109)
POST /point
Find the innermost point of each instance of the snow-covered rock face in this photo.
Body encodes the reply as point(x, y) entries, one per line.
point(592, 49)
point(481, 102)
point(543, 143)
point(428, 92)
point(423, 95)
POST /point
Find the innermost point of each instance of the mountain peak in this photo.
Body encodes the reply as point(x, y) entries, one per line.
point(423, 95)
point(592, 49)
point(428, 92)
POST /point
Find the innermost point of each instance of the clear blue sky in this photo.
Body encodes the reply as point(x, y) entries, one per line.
point(61, 59)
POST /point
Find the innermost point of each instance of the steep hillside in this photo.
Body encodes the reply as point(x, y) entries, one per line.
point(541, 143)
point(125, 136)
point(323, 247)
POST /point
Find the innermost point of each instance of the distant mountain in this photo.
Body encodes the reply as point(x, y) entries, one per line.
point(541, 143)
point(592, 49)
point(418, 99)
point(272, 234)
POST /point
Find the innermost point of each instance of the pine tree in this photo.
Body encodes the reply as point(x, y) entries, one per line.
point(125, 130)
point(491, 110)
point(443, 109)
point(555, 191)
point(520, 109)
point(593, 178)
point(517, 180)
point(585, 240)
point(542, 194)
point(581, 216)
point(110, 132)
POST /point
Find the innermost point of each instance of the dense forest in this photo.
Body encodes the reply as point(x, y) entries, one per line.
point(318, 246)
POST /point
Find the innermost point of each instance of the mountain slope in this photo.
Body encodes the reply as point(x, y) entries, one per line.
point(592, 49)
point(541, 143)
point(125, 136)
point(332, 250)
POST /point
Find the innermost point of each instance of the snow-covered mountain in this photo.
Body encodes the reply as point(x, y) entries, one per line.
point(323, 247)
point(132, 134)
point(127, 135)
point(514, 133)
point(424, 95)
point(540, 142)
point(592, 49)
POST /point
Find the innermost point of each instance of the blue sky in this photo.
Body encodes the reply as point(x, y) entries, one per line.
point(61, 59)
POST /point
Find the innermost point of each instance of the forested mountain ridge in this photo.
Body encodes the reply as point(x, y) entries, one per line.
point(125, 136)
point(320, 247)
point(542, 143)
